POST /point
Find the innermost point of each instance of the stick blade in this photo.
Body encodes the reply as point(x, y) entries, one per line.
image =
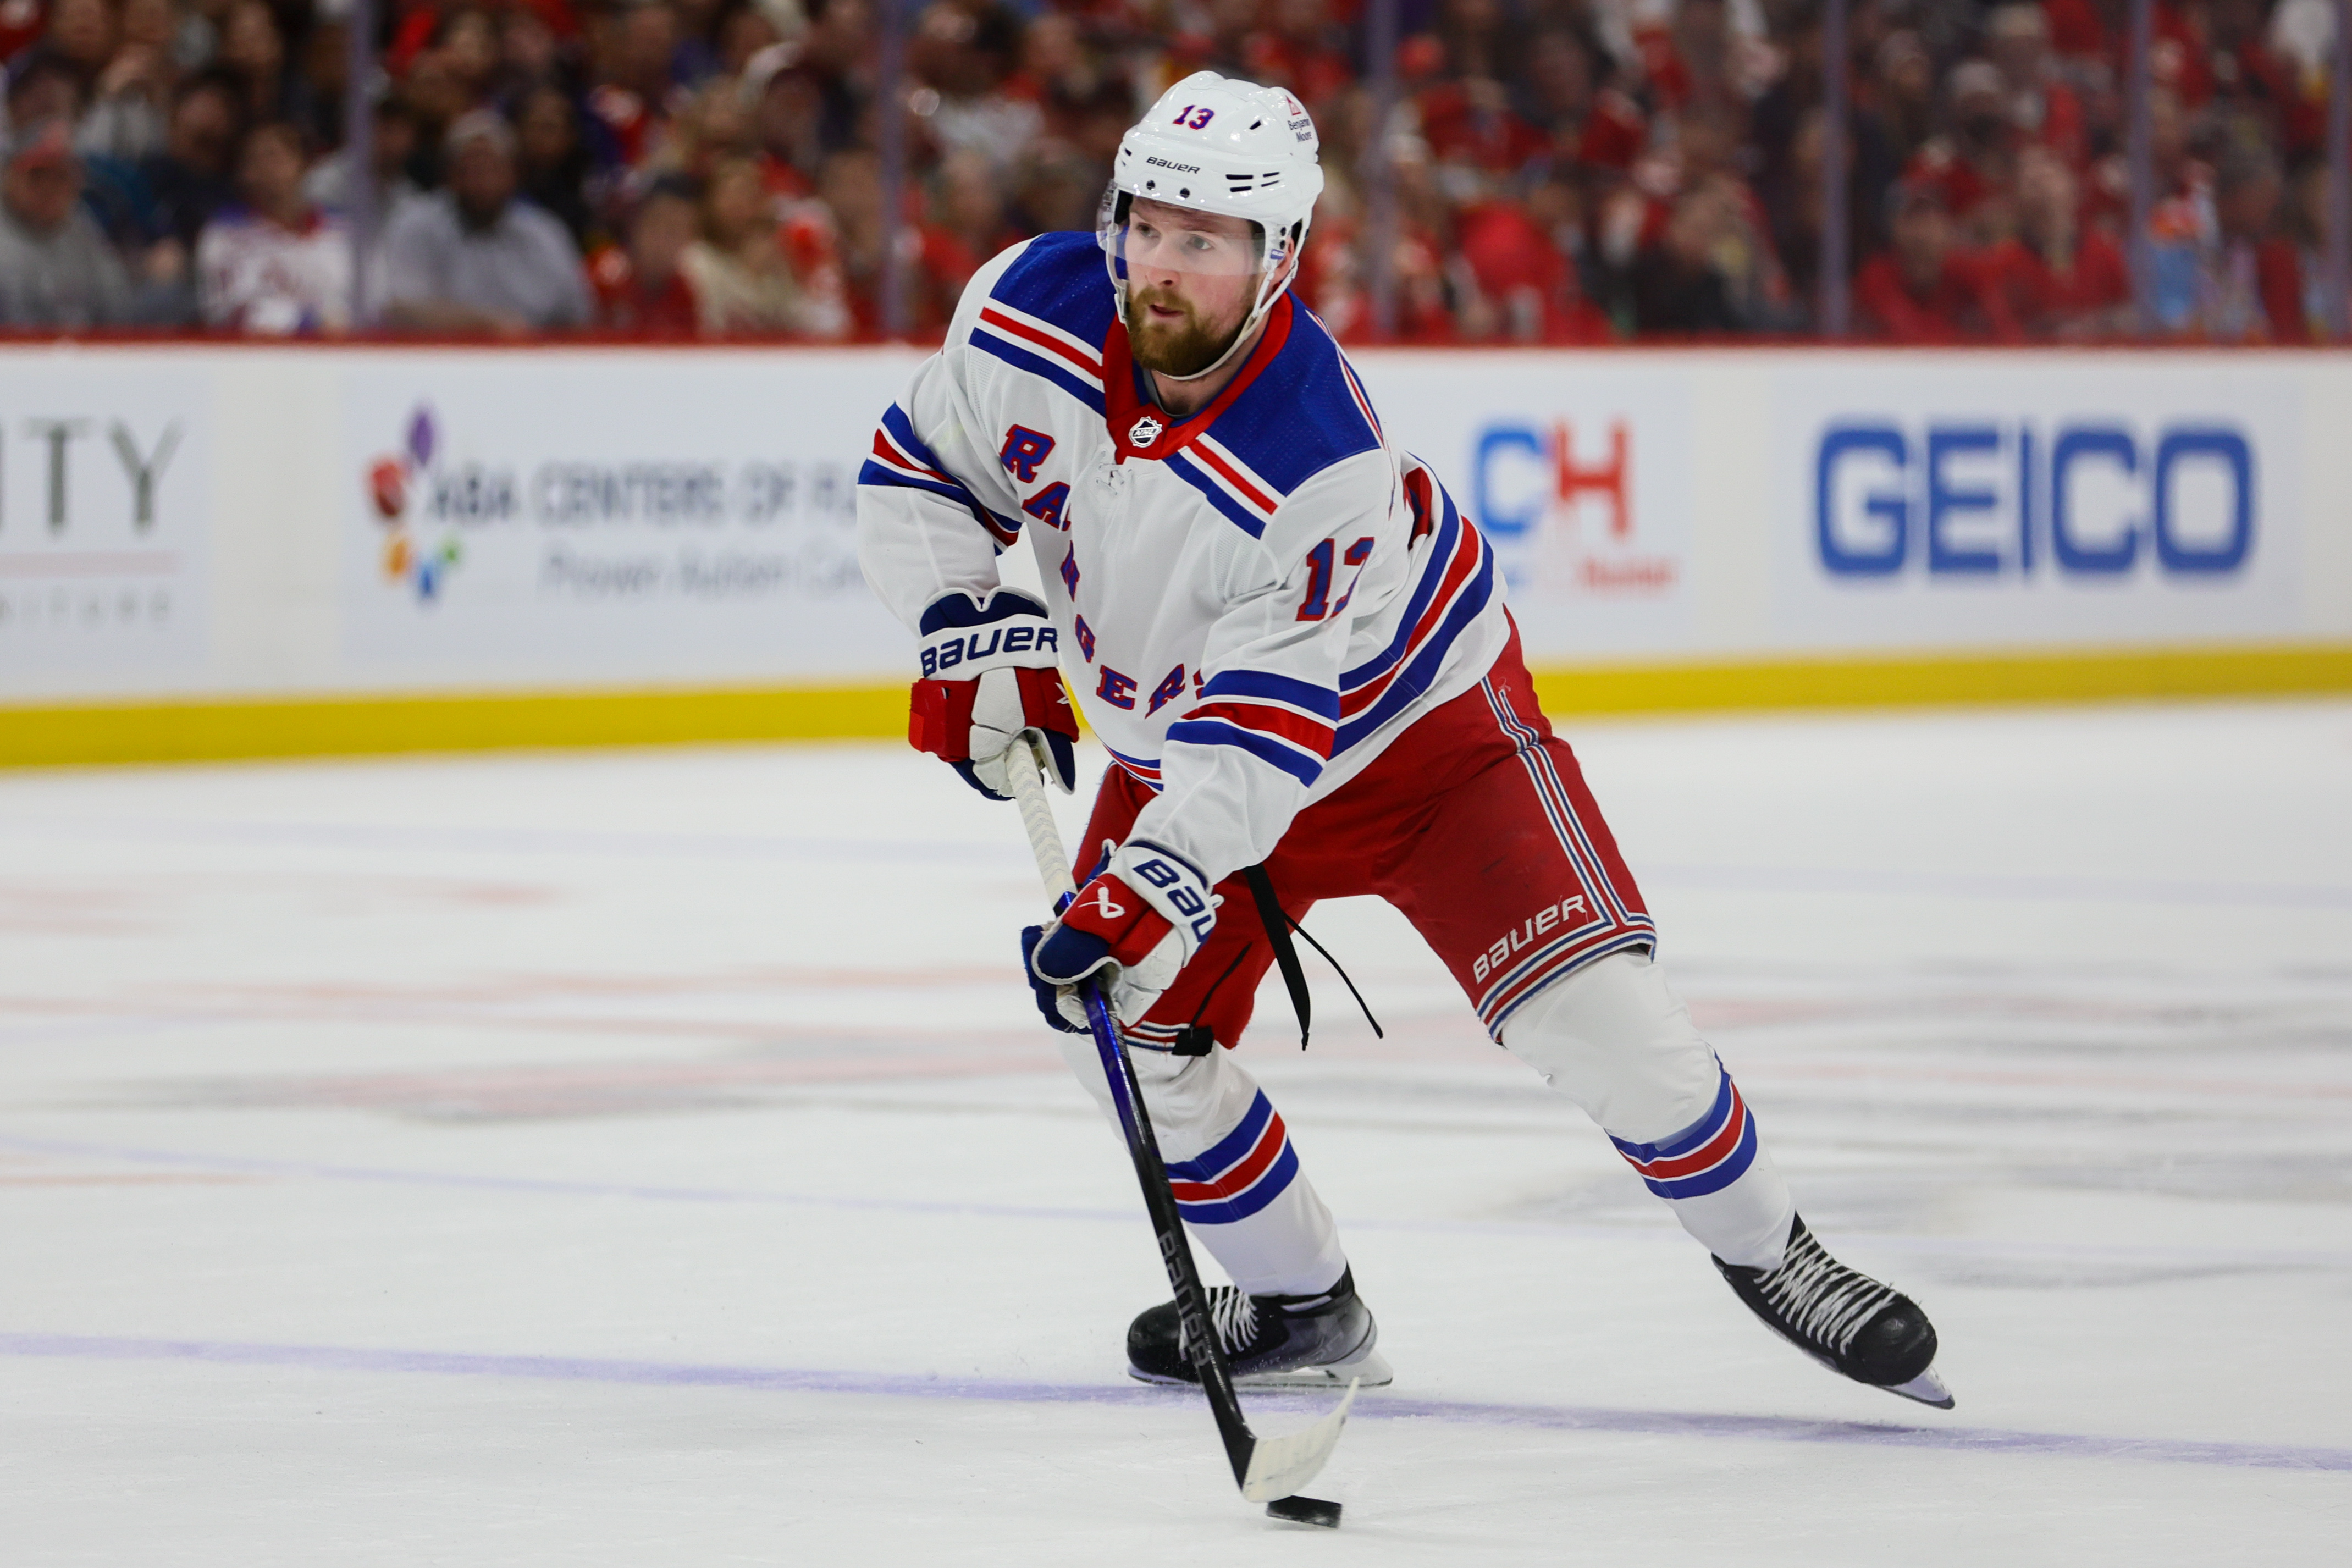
point(1278, 1466)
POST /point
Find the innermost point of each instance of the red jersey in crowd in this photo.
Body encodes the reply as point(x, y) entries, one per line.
point(1460, 131)
point(1963, 306)
point(2045, 298)
point(625, 305)
point(1515, 261)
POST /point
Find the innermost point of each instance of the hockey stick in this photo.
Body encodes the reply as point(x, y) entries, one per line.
point(1265, 1467)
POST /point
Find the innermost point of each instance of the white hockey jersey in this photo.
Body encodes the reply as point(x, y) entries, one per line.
point(1250, 602)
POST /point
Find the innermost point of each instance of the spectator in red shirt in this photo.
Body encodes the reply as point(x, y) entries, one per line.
point(1923, 288)
point(1470, 123)
point(642, 290)
point(2061, 280)
point(1527, 277)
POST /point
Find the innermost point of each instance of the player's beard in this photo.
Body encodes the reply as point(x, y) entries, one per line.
point(1186, 348)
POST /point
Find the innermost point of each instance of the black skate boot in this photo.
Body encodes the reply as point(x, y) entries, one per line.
point(1270, 1342)
point(1847, 1321)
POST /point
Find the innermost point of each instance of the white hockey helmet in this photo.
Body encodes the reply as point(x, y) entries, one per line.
point(1218, 144)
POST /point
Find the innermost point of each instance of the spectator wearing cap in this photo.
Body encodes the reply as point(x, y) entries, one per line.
point(1923, 288)
point(642, 289)
point(785, 101)
point(472, 259)
point(55, 267)
point(275, 265)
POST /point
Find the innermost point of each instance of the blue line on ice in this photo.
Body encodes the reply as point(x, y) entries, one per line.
point(1663, 1232)
point(847, 850)
point(1380, 1407)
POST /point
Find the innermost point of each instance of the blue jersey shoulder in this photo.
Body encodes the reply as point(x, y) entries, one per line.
point(1305, 411)
point(1060, 278)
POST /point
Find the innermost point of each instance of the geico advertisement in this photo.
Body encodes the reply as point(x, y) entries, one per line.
point(1578, 469)
point(103, 504)
point(1966, 501)
point(613, 516)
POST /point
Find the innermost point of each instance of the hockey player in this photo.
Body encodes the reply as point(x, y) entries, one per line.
point(1294, 646)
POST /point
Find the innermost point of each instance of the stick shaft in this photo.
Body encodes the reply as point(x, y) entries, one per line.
point(1150, 1170)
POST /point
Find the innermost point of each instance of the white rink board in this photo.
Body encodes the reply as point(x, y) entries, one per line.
point(652, 1158)
point(351, 521)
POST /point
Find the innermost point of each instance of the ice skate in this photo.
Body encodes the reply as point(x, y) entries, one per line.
point(1846, 1320)
point(1270, 1342)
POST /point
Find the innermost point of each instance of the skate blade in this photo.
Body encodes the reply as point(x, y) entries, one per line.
point(1370, 1369)
point(1926, 1388)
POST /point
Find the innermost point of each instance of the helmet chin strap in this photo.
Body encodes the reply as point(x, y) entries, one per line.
point(1268, 291)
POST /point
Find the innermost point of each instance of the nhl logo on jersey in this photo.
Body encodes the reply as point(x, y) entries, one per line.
point(1144, 431)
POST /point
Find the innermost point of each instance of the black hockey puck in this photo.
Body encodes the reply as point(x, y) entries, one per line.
point(1304, 1510)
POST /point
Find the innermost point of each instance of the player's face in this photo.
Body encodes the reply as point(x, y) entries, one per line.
point(1191, 280)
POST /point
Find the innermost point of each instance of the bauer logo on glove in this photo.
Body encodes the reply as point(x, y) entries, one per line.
point(1133, 926)
point(1006, 686)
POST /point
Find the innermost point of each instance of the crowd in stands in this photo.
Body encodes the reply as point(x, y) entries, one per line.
point(1557, 171)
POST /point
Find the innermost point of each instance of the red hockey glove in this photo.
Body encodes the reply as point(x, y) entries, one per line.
point(1004, 685)
point(1136, 924)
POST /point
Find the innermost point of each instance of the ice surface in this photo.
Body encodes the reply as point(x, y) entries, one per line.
point(652, 1158)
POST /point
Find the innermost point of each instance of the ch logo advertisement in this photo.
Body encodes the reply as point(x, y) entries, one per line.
point(1558, 499)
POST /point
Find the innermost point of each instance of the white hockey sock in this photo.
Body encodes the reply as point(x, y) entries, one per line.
point(1230, 1163)
point(1615, 1038)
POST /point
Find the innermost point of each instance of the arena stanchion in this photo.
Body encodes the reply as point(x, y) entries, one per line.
point(1267, 1469)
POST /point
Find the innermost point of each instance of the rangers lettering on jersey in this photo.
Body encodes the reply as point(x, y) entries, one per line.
point(1309, 590)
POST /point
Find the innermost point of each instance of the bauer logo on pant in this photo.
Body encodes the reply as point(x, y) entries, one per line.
point(1566, 915)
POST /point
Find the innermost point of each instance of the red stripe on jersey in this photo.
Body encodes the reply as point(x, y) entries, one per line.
point(1004, 323)
point(887, 450)
point(1297, 729)
point(1250, 492)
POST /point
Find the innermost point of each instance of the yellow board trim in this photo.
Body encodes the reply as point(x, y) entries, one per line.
point(365, 725)
point(376, 725)
point(2035, 676)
